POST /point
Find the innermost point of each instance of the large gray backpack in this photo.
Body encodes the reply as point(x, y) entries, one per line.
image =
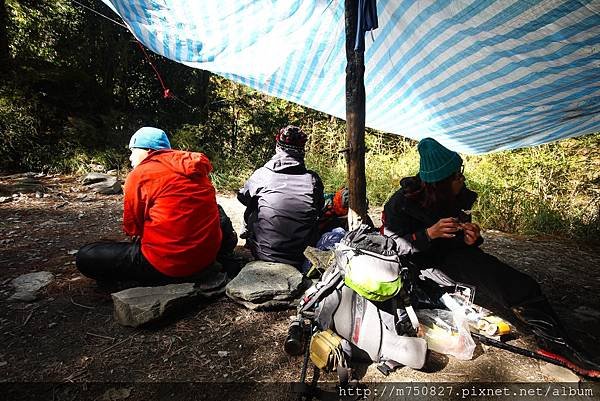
point(380, 329)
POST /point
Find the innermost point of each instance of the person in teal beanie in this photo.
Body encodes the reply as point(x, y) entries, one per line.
point(429, 218)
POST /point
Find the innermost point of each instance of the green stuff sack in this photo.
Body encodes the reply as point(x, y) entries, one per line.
point(370, 264)
point(373, 276)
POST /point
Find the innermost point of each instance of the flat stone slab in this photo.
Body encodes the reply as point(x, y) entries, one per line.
point(267, 285)
point(559, 373)
point(109, 187)
point(140, 305)
point(92, 178)
point(27, 286)
point(102, 183)
point(22, 185)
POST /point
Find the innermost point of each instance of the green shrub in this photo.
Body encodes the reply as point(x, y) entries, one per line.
point(552, 189)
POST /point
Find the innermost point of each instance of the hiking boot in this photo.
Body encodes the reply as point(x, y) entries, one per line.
point(553, 338)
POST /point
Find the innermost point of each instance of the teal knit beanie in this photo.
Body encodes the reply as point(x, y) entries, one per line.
point(437, 161)
point(149, 138)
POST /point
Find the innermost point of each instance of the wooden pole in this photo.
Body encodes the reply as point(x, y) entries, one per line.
point(355, 120)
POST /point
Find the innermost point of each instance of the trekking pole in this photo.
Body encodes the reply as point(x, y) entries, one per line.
point(517, 350)
point(305, 364)
point(302, 385)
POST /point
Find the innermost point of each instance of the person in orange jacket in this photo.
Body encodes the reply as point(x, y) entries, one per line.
point(170, 211)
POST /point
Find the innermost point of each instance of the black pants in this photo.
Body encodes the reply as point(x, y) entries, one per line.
point(118, 261)
point(229, 240)
point(492, 278)
point(502, 285)
point(124, 261)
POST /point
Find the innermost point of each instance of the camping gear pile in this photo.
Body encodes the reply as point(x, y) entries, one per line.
point(361, 309)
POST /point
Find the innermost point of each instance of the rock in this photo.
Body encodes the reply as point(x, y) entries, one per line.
point(102, 183)
point(28, 285)
point(108, 187)
point(266, 285)
point(24, 185)
point(320, 259)
point(92, 178)
point(559, 373)
point(114, 394)
point(29, 180)
point(140, 305)
point(29, 174)
point(210, 282)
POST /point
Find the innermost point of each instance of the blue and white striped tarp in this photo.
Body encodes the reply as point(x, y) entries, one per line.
point(477, 75)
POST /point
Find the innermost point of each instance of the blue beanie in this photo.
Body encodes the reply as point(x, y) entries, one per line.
point(437, 161)
point(149, 138)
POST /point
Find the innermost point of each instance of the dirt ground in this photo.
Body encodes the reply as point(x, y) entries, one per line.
point(69, 335)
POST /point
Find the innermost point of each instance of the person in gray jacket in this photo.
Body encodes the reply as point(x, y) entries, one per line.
point(283, 203)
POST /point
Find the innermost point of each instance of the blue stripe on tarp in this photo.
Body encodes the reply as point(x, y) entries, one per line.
point(446, 64)
point(430, 70)
point(471, 68)
point(534, 122)
point(512, 67)
point(524, 95)
point(548, 107)
point(401, 59)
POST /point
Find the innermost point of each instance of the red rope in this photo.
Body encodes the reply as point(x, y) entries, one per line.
point(167, 94)
point(166, 91)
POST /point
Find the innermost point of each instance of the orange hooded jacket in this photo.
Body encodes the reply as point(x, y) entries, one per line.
point(171, 204)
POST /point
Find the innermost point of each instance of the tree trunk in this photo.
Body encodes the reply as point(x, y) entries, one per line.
point(4, 52)
point(355, 121)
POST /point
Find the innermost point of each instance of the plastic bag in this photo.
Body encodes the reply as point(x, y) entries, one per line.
point(447, 332)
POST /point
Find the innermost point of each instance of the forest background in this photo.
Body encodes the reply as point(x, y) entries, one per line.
point(75, 86)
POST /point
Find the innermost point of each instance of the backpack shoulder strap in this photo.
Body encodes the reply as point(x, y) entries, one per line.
point(323, 288)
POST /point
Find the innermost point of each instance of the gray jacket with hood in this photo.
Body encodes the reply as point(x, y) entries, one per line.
point(283, 202)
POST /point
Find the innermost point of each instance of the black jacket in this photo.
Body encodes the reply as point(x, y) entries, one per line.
point(283, 202)
point(406, 220)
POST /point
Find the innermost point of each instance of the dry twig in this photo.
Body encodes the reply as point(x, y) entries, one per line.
point(83, 306)
point(118, 343)
point(75, 375)
point(248, 373)
point(28, 317)
point(100, 336)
